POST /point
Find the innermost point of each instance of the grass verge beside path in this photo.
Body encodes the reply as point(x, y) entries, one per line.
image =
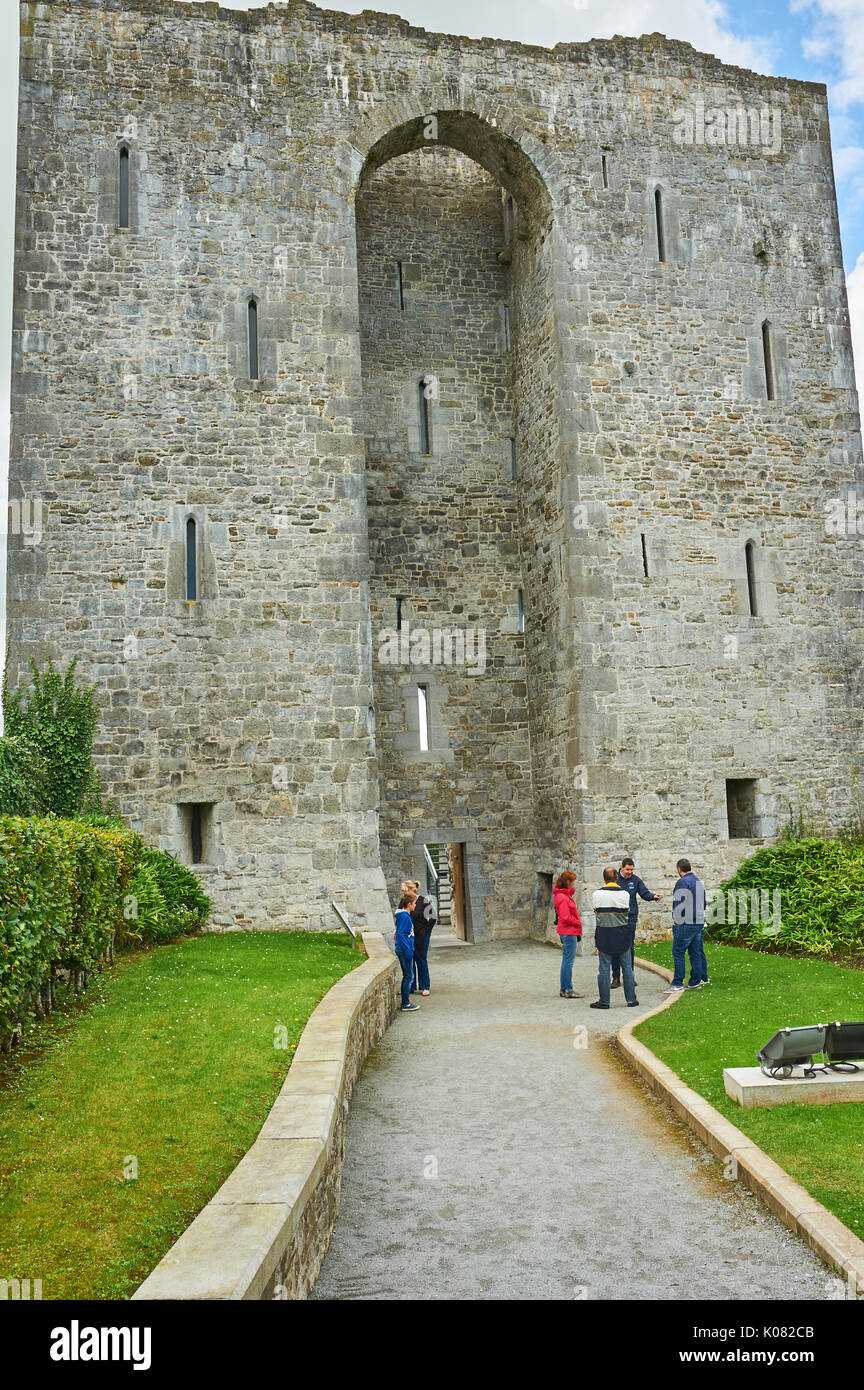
point(170, 1061)
point(751, 995)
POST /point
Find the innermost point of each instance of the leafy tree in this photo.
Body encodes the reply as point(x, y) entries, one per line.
point(57, 721)
point(22, 778)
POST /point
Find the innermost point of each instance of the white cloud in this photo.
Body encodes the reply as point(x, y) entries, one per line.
point(855, 291)
point(837, 38)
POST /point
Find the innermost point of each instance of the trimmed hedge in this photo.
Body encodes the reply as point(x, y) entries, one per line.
point(821, 883)
point(61, 898)
point(68, 890)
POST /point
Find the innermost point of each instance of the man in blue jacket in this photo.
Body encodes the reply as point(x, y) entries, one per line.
point(688, 926)
point(636, 888)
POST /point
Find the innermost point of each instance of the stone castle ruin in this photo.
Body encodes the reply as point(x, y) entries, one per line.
point(437, 443)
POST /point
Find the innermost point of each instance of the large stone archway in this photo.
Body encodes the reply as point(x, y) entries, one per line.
point(495, 424)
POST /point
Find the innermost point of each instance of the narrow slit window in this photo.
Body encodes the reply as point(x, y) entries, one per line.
point(399, 615)
point(514, 461)
point(644, 556)
point(423, 717)
point(750, 561)
point(658, 218)
point(252, 321)
point(196, 836)
point(191, 561)
point(768, 360)
point(425, 430)
point(505, 317)
point(509, 216)
point(605, 172)
point(123, 190)
point(521, 612)
point(401, 284)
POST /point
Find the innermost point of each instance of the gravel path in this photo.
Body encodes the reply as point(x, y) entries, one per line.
point(488, 1157)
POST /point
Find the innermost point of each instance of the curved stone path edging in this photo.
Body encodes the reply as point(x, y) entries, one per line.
point(266, 1231)
point(832, 1241)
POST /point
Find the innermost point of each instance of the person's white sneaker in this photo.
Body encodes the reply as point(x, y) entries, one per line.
point(675, 989)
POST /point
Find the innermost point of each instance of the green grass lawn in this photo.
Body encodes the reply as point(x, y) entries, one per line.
point(751, 995)
point(169, 1059)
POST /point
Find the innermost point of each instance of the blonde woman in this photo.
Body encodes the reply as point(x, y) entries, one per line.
point(424, 917)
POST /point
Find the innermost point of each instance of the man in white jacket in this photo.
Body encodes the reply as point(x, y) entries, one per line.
point(614, 937)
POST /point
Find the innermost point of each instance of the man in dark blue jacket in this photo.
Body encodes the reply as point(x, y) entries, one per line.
point(688, 926)
point(636, 888)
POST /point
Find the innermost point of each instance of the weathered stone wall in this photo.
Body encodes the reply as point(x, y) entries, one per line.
point(636, 393)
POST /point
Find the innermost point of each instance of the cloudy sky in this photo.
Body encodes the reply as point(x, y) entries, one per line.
point(818, 40)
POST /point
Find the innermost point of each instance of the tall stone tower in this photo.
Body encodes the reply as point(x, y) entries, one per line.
point(438, 442)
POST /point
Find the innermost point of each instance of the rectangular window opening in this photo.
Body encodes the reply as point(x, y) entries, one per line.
point(644, 556)
point(197, 819)
point(768, 358)
point(399, 603)
point(423, 713)
point(658, 217)
point(425, 425)
point(505, 316)
point(401, 285)
point(514, 461)
point(741, 807)
point(605, 173)
point(521, 612)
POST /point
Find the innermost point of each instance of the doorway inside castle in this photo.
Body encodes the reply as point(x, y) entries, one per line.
point(445, 881)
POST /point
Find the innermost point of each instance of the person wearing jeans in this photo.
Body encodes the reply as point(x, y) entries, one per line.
point(614, 937)
point(424, 915)
point(568, 924)
point(403, 940)
point(629, 879)
point(688, 926)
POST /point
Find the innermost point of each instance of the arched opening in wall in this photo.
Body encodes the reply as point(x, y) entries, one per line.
point(123, 187)
point(191, 561)
point(252, 337)
point(750, 564)
point(449, 522)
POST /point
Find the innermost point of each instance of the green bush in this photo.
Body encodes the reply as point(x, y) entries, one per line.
point(62, 886)
point(145, 913)
point(170, 900)
point(22, 778)
point(821, 883)
point(57, 721)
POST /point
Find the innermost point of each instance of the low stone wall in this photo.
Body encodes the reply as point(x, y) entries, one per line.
point(825, 1233)
point(265, 1233)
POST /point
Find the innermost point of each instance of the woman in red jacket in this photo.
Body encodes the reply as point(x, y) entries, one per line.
point(569, 927)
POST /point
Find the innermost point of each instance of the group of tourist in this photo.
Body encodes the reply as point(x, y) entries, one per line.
point(616, 912)
point(415, 918)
